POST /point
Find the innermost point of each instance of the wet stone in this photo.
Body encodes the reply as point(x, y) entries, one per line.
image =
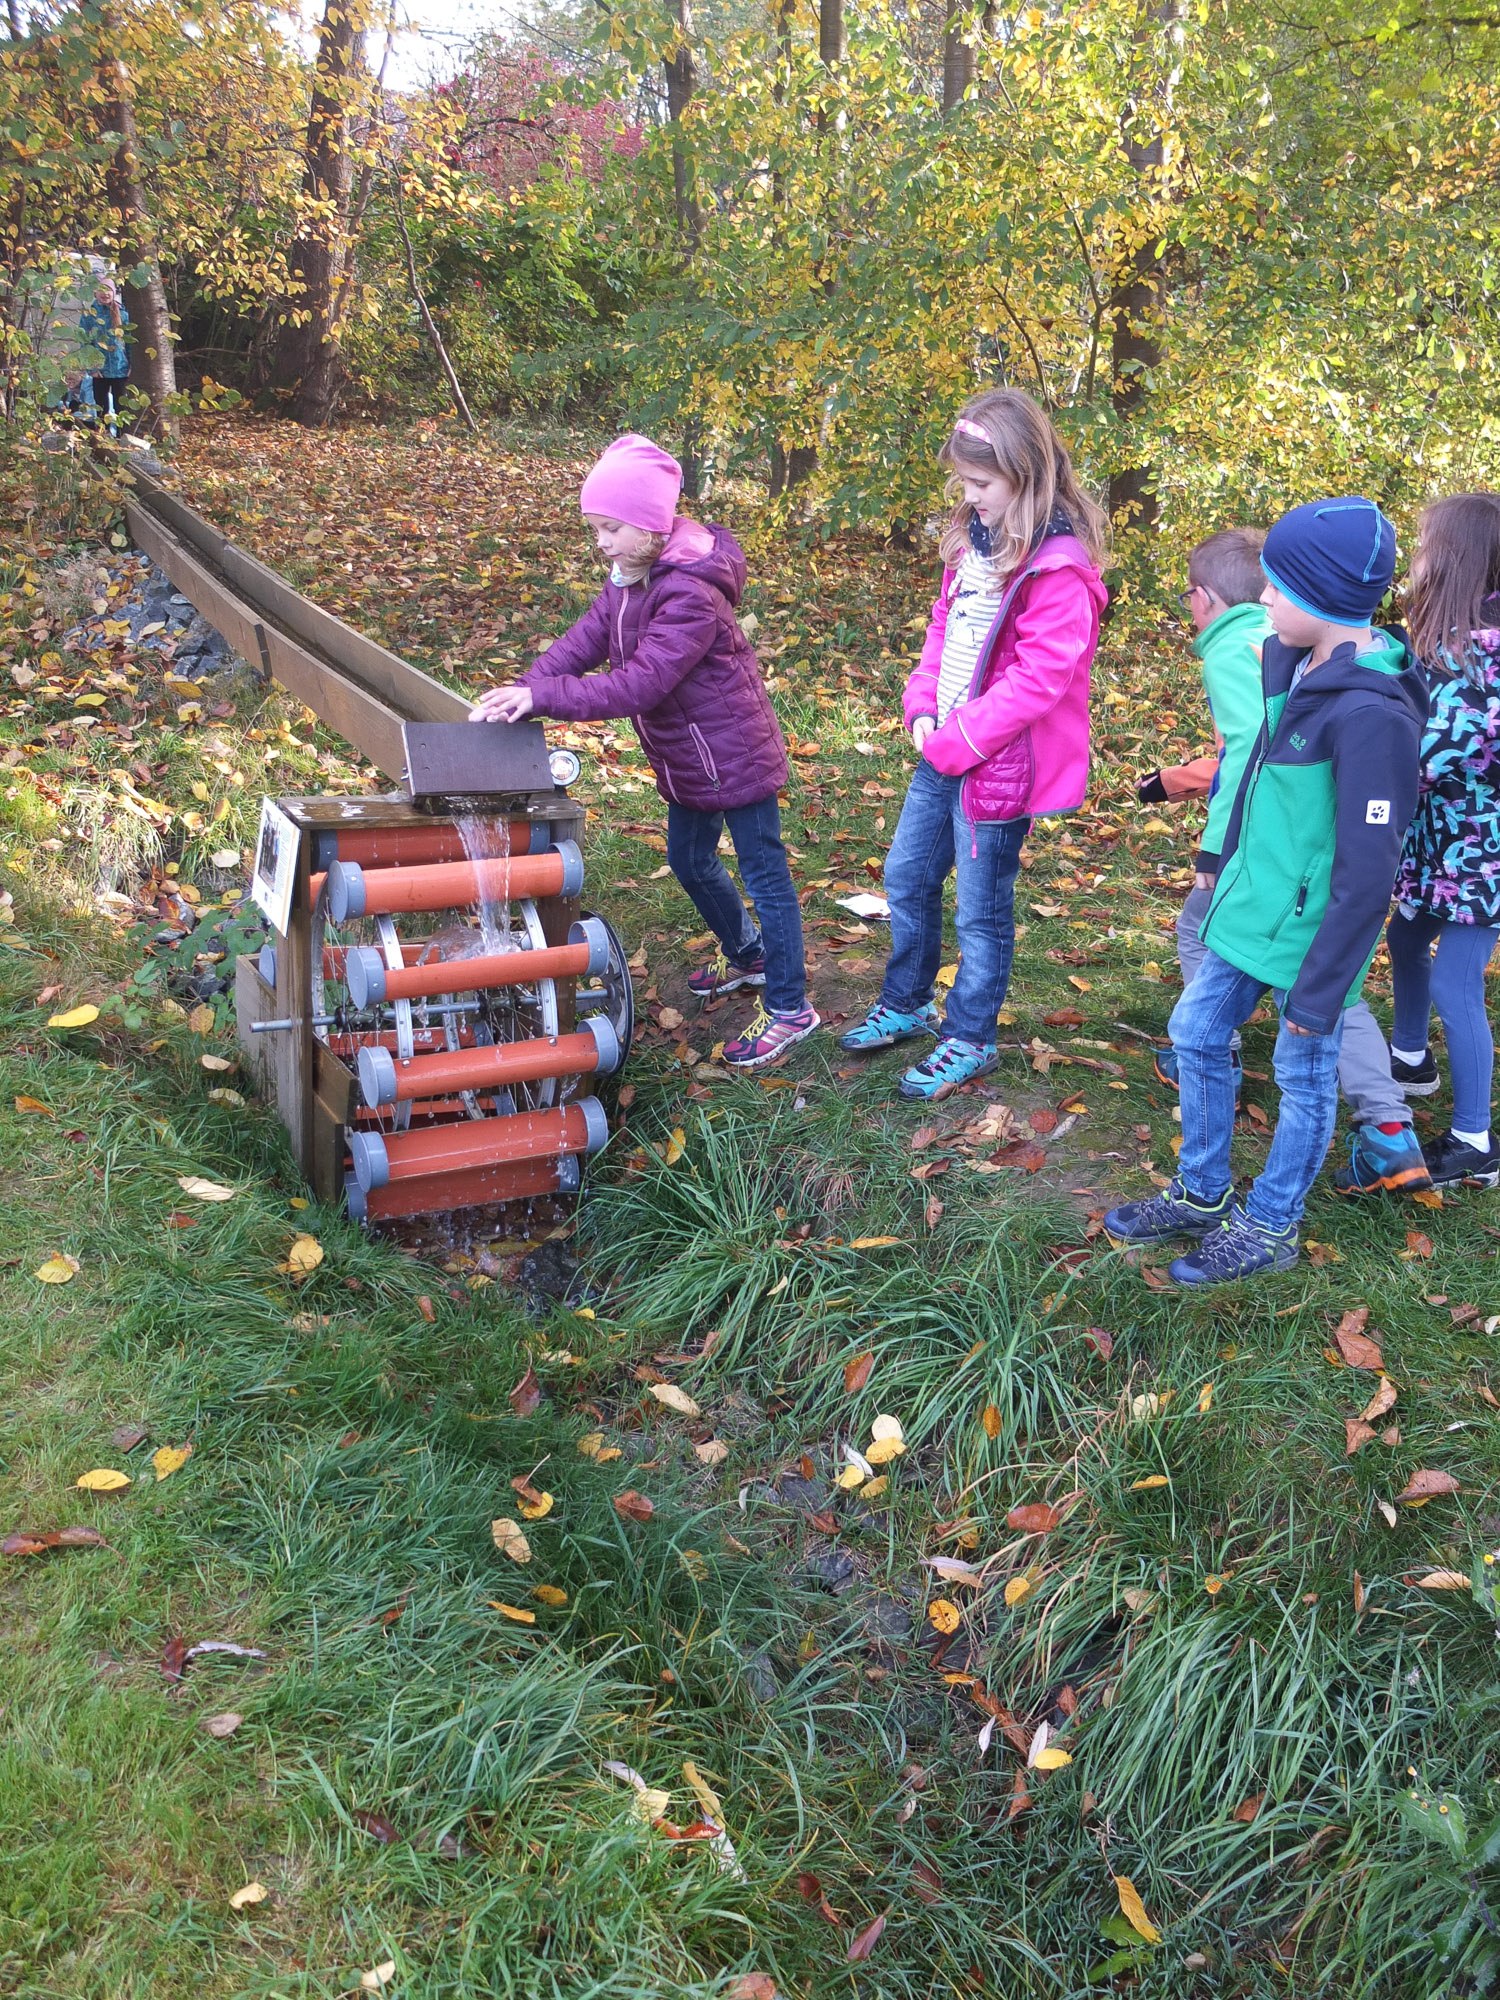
point(831, 1570)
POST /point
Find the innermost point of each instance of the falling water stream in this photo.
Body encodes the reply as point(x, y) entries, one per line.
point(486, 837)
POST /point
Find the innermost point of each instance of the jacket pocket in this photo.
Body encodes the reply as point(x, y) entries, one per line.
point(705, 755)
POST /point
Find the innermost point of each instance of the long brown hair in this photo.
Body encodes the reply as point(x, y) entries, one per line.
point(1456, 568)
point(1020, 443)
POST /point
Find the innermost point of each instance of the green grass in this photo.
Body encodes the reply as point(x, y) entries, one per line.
point(350, 1454)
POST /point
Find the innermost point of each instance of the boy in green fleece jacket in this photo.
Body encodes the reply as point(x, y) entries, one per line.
point(1303, 889)
point(1225, 581)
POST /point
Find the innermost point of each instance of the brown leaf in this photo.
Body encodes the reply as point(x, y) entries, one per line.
point(927, 1883)
point(425, 1308)
point(933, 1213)
point(825, 1522)
point(1487, 1395)
point(1427, 1485)
point(1042, 1120)
point(23, 1544)
point(1247, 1809)
point(1464, 1315)
point(174, 1659)
point(857, 1372)
point(1392, 1435)
point(1036, 1519)
point(633, 1506)
point(526, 1395)
point(751, 1986)
point(1382, 1400)
point(1102, 1341)
point(1359, 1593)
point(523, 1486)
point(867, 1940)
point(809, 1888)
point(1358, 1352)
point(924, 1136)
point(376, 1825)
point(1418, 1245)
point(223, 1725)
point(1356, 1434)
point(992, 1420)
point(1064, 1017)
point(1020, 1798)
point(125, 1437)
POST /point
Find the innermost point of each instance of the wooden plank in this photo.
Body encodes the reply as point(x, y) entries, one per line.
point(219, 606)
point(361, 719)
point(337, 1086)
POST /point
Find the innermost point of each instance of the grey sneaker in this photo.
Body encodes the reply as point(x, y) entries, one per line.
point(1237, 1250)
point(1173, 1212)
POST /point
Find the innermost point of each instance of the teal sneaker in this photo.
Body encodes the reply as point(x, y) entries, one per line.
point(951, 1063)
point(884, 1026)
point(1173, 1212)
point(1378, 1160)
point(1239, 1249)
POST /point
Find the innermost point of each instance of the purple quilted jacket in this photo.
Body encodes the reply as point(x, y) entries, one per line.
point(678, 665)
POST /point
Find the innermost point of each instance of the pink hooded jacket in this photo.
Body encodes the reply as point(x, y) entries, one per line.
point(1021, 740)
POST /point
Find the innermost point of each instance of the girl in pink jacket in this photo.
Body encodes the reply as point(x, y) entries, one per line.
point(998, 709)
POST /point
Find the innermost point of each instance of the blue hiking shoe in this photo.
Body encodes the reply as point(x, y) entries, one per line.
point(1173, 1212)
point(884, 1026)
point(1239, 1249)
point(1389, 1160)
point(951, 1063)
point(1164, 1062)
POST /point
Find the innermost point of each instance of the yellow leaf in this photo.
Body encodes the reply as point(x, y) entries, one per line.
point(676, 1146)
point(537, 1510)
point(103, 1479)
point(202, 1190)
point(1134, 1910)
point(306, 1254)
point(610, 1451)
point(1205, 1399)
point(253, 1892)
point(548, 1593)
point(88, 701)
point(883, 1450)
point(590, 1446)
point(511, 1611)
point(1144, 1406)
point(946, 976)
point(1444, 1579)
point(874, 1242)
point(1214, 1584)
point(170, 1459)
point(24, 1104)
point(992, 1421)
point(297, 1201)
point(675, 1398)
point(1083, 985)
point(1019, 1589)
point(944, 1615)
point(652, 1805)
point(712, 1451)
point(201, 1020)
point(849, 1478)
point(57, 1271)
point(875, 1488)
point(1428, 1198)
point(584, 1312)
point(216, 1062)
point(76, 1017)
point(1145, 1485)
point(1156, 826)
point(378, 1976)
point(227, 1097)
point(1051, 1760)
point(510, 1541)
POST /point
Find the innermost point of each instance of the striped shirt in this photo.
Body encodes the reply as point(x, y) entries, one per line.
point(977, 590)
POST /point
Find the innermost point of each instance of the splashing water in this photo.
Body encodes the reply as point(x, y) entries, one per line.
point(487, 838)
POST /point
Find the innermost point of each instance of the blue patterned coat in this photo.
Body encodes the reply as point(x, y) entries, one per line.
point(1450, 860)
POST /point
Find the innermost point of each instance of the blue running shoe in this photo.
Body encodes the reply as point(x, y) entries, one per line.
point(1173, 1212)
point(1389, 1160)
point(951, 1063)
point(1238, 1250)
point(884, 1026)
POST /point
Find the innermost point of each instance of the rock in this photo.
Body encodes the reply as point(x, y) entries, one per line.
point(831, 1570)
point(883, 1617)
point(760, 1677)
point(796, 1491)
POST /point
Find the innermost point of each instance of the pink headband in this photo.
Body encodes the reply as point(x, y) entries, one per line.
point(974, 430)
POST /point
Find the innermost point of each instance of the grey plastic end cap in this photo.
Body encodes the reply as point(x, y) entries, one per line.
point(325, 849)
point(569, 1174)
point(593, 932)
point(572, 860)
point(265, 964)
point(377, 1077)
point(364, 975)
point(606, 1041)
point(372, 1167)
point(346, 891)
point(541, 837)
point(354, 1199)
point(595, 1122)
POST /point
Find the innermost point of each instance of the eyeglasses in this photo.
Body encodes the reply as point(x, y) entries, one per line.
point(1185, 597)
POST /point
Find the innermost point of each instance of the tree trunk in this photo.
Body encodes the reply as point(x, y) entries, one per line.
point(151, 365)
point(307, 357)
point(422, 307)
point(682, 82)
point(958, 62)
point(833, 38)
point(1138, 294)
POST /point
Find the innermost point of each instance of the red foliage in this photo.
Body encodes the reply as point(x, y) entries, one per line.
point(512, 133)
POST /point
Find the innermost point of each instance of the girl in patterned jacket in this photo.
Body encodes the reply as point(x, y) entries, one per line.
point(1447, 917)
point(998, 710)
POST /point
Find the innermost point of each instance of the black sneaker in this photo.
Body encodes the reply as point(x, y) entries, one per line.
point(1173, 1212)
point(1450, 1162)
point(1417, 1079)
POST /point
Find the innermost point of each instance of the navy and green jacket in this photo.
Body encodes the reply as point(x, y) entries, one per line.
point(1314, 837)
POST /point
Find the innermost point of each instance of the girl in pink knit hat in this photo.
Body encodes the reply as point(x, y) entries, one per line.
point(661, 645)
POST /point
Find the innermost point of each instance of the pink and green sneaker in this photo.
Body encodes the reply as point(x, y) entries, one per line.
point(769, 1036)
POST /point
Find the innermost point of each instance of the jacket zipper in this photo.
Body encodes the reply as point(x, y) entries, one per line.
point(705, 754)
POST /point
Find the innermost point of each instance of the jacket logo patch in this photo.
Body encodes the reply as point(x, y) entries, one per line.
point(1378, 812)
point(1298, 742)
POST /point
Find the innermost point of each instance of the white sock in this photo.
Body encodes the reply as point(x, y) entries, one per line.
point(1480, 1141)
point(1413, 1058)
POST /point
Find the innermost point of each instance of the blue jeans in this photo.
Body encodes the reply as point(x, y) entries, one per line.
point(932, 836)
point(693, 856)
point(1453, 982)
point(1202, 1027)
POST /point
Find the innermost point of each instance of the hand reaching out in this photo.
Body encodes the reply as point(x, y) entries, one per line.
point(506, 704)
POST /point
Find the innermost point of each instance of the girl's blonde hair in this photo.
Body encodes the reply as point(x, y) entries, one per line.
point(1018, 441)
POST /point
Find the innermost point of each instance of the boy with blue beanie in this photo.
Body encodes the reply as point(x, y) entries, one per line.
point(1303, 887)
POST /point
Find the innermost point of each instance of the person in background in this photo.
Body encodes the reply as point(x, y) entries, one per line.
point(661, 645)
point(1225, 581)
point(1303, 889)
point(1447, 917)
point(998, 709)
point(105, 325)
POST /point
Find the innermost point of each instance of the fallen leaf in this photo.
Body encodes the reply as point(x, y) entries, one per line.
point(202, 1190)
point(1391, 1435)
point(509, 1540)
point(1247, 1809)
point(944, 1615)
point(305, 1255)
point(1356, 1433)
point(1380, 1402)
point(25, 1104)
point(712, 1451)
point(1443, 1579)
point(527, 1394)
point(952, 1570)
point(201, 1019)
point(1018, 1589)
point(1134, 1910)
point(992, 1420)
point(223, 1725)
point(874, 1242)
point(857, 1372)
point(675, 1398)
point(633, 1506)
point(751, 1986)
point(425, 1308)
point(511, 1611)
point(550, 1595)
point(173, 1660)
point(1205, 1399)
point(1050, 1759)
point(170, 1459)
point(103, 1479)
point(1020, 1798)
point(1418, 1245)
point(1036, 1519)
point(57, 1271)
point(676, 1146)
point(868, 1938)
point(1357, 1350)
point(253, 1892)
point(1388, 1511)
point(1214, 1584)
point(1428, 1486)
point(535, 1505)
point(591, 1444)
point(927, 1883)
point(1143, 1406)
point(825, 1522)
point(378, 1976)
point(1145, 1485)
point(924, 1136)
point(76, 1017)
point(216, 1063)
point(1101, 1341)
point(125, 1437)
